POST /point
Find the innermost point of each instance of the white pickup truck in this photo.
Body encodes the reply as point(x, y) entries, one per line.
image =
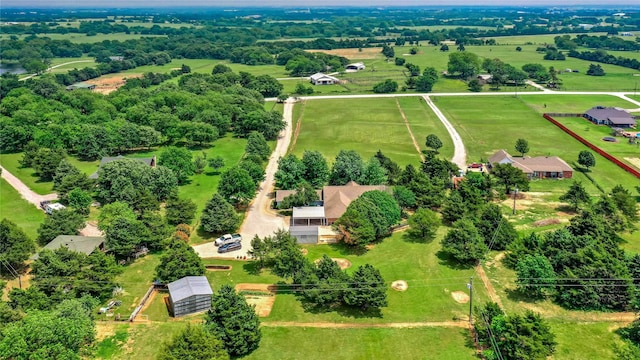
point(228, 239)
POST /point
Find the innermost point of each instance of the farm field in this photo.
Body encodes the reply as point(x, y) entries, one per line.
point(534, 39)
point(484, 132)
point(363, 125)
point(18, 210)
point(572, 103)
point(423, 122)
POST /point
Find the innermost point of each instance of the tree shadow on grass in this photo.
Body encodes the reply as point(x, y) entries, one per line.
point(212, 173)
point(448, 261)
point(252, 268)
point(205, 235)
point(515, 294)
point(565, 209)
point(346, 250)
point(407, 237)
point(342, 310)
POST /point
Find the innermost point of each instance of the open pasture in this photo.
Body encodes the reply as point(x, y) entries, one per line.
point(13, 207)
point(363, 125)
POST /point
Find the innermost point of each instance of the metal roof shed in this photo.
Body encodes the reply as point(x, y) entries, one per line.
point(189, 295)
point(310, 215)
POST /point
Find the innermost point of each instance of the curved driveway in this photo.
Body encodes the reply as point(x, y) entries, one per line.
point(260, 219)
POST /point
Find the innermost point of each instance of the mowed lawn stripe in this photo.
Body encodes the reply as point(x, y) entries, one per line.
point(18, 210)
point(363, 125)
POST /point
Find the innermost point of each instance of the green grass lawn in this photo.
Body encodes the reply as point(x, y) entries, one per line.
point(363, 125)
point(485, 132)
point(572, 103)
point(11, 162)
point(578, 341)
point(423, 122)
point(313, 343)
point(18, 210)
point(135, 280)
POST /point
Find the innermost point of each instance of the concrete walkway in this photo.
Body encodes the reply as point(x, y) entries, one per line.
point(260, 219)
point(459, 152)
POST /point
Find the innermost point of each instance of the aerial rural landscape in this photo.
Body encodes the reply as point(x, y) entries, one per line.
point(313, 182)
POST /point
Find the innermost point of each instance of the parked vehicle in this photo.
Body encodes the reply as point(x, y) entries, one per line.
point(49, 208)
point(228, 239)
point(230, 247)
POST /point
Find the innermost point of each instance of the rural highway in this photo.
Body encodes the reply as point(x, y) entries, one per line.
point(260, 219)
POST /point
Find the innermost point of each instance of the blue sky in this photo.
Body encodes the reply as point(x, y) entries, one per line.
point(289, 3)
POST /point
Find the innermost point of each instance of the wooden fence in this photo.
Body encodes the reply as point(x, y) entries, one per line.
point(144, 300)
point(608, 156)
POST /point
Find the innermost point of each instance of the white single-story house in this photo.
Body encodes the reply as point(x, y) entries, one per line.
point(323, 79)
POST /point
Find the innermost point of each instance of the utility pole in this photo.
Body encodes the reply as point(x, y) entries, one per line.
point(470, 287)
point(515, 192)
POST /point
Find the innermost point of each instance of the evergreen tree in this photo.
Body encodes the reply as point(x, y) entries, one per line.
point(234, 322)
point(316, 170)
point(368, 289)
point(463, 242)
point(219, 216)
point(576, 195)
point(15, 245)
point(257, 145)
point(193, 342)
point(178, 261)
point(179, 211)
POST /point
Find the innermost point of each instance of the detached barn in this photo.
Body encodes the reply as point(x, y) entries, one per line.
point(189, 295)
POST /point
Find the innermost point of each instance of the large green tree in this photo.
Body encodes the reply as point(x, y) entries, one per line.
point(178, 261)
point(180, 211)
point(59, 334)
point(237, 186)
point(290, 172)
point(466, 64)
point(510, 176)
point(535, 275)
point(234, 322)
point(193, 342)
point(576, 195)
point(257, 146)
point(219, 216)
point(180, 161)
point(586, 159)
point(124, 234)
point(316, 170)
point(368, 289)
point(423, 225)
point(522, 146)
point(496, 230)
point(463, 242)
point(347, 167)
point(433, 142)
point(15, 245)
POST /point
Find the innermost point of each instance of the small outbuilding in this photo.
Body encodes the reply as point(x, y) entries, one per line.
point(189, 295)
point(105, 160)
point(355, 67)
point(81, 86)
point(323, 79)
point(81, 244)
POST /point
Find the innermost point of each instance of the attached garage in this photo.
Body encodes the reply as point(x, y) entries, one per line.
point(189, 295)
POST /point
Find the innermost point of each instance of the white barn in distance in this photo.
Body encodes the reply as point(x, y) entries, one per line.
point(323, 79)
point(355, 67)
point(189, 295)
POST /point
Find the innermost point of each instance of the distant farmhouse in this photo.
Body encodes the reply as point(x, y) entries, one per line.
point(323, 79)
point(105, 160)
point(540, 167)
point(355, 67)
point(81, 244)
point(81, 86)
point(334, 201)
point(189, 295)
point(610, 116)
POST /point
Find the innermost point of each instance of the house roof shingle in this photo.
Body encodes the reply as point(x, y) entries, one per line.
point(105, 160)
point(615, 115)
point(337, 198)
point(81, 244)
point(532, 164)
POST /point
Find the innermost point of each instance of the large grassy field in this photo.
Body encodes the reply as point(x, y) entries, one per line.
point(484, 132)
point(18, 210)
point(364, 125)
point(312, 343)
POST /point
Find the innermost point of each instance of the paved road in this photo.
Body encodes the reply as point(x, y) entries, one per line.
point(459, 152)
point(260, 219)
point(90, 229)
point(56, 66)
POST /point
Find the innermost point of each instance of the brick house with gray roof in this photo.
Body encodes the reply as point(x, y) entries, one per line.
point(539, 167)
point(610, 116)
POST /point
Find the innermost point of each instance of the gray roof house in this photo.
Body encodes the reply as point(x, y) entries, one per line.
point(610, 116)
point(105, 160)
point(81, 244)
point(323, 79)
point(190, 295)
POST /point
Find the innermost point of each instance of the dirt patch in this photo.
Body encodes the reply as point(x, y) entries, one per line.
point(104, 330)
point(460, 297)
point(546, 222)
point(634, 161)
point(109, 83)
point(399, 285)
point(496, 260)
point(304, 252)
point(364, 53)
point(263, 303)
point(342, 263)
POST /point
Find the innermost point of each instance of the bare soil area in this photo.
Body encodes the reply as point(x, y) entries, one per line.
point(109, 83)
point(399, 285)
point(104, 330)
point(364, 53)
point(263, 303)
point(635, 162)
point(460, 297)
